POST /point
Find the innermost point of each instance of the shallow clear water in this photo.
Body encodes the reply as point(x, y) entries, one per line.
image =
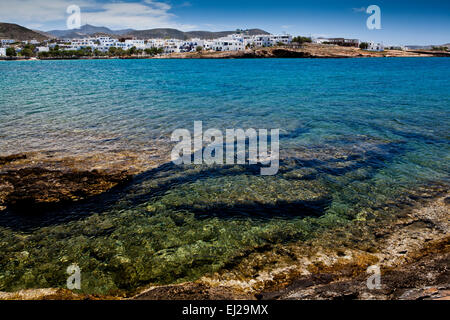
point(356, 134)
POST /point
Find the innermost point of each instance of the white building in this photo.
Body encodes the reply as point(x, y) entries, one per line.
point(6, 42)
point(196, 43)
point(337, 41)
point(260, 41)
point(238, 42)
point(155, 43)
point(2, 52)
point(319, 40)
point(265, 40)
point(104, 43)
point(373, 46)
point(130, 43)
point(77, 44)
point(284, 39)
point(227, 44)
point(172, 45)
point(34, 41)
point(402, 48)
point(42, 49)
point(233, 42)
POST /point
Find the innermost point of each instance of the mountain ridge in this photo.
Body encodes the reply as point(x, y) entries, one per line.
point(17, 32)
point(90, 30)
point(177, 34)
point(86, 30)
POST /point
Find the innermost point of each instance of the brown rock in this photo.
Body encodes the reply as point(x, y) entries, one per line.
point(36, 189)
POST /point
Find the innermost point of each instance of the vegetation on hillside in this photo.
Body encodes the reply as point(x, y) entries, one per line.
point(301, 40)
point(441, 48)
point(11, 52)
point(364, 45)
point(56, 52)
point(14, 31)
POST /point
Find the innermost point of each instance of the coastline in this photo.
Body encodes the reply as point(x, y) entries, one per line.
point(311, 51)
point(412, 253)
point(361, 181)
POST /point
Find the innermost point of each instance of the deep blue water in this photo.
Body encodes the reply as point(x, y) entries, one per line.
point(137, 100)
point(356, 134)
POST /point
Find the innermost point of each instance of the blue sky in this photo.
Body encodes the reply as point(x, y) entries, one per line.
point(403, 22)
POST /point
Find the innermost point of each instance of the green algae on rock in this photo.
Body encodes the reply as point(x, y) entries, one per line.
point(175, 224)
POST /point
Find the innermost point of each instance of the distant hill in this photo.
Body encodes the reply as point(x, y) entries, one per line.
point(48, 35)
point(158, 33)
point(85, 31)
point(14, 31)
point(89, 30)
point(415, 47)
point(177, 34)
point(214, 35)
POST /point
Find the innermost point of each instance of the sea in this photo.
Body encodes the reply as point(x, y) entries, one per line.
point(360, 139)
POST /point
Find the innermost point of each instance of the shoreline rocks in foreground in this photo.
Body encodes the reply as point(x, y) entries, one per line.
point(413, 254)
point(412, 250)
point(36, 181)
point(36, 190)
point(29, 185)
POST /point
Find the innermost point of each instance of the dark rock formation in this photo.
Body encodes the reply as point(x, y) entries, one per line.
point(427, 278)
point(12, 158)
point(34, 189)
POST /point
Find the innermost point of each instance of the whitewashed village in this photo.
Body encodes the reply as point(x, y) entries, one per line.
point(102, 45)
point(234, 42)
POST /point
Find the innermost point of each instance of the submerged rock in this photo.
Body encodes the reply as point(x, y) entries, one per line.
point(33, 190)
point(37, 181)
point(327, 271)
point(12, 158)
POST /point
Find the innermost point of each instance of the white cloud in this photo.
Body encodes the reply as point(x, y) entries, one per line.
point(34, 11)
point(144, 14)
point(159, 5)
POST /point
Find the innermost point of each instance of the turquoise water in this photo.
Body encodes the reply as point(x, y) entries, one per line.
point(356, 135)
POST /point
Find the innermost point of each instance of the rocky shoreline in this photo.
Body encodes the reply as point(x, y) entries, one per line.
point(306, 51)
point(412, 251)
point(31, 189)
point(413, 254)
point(35, 182)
